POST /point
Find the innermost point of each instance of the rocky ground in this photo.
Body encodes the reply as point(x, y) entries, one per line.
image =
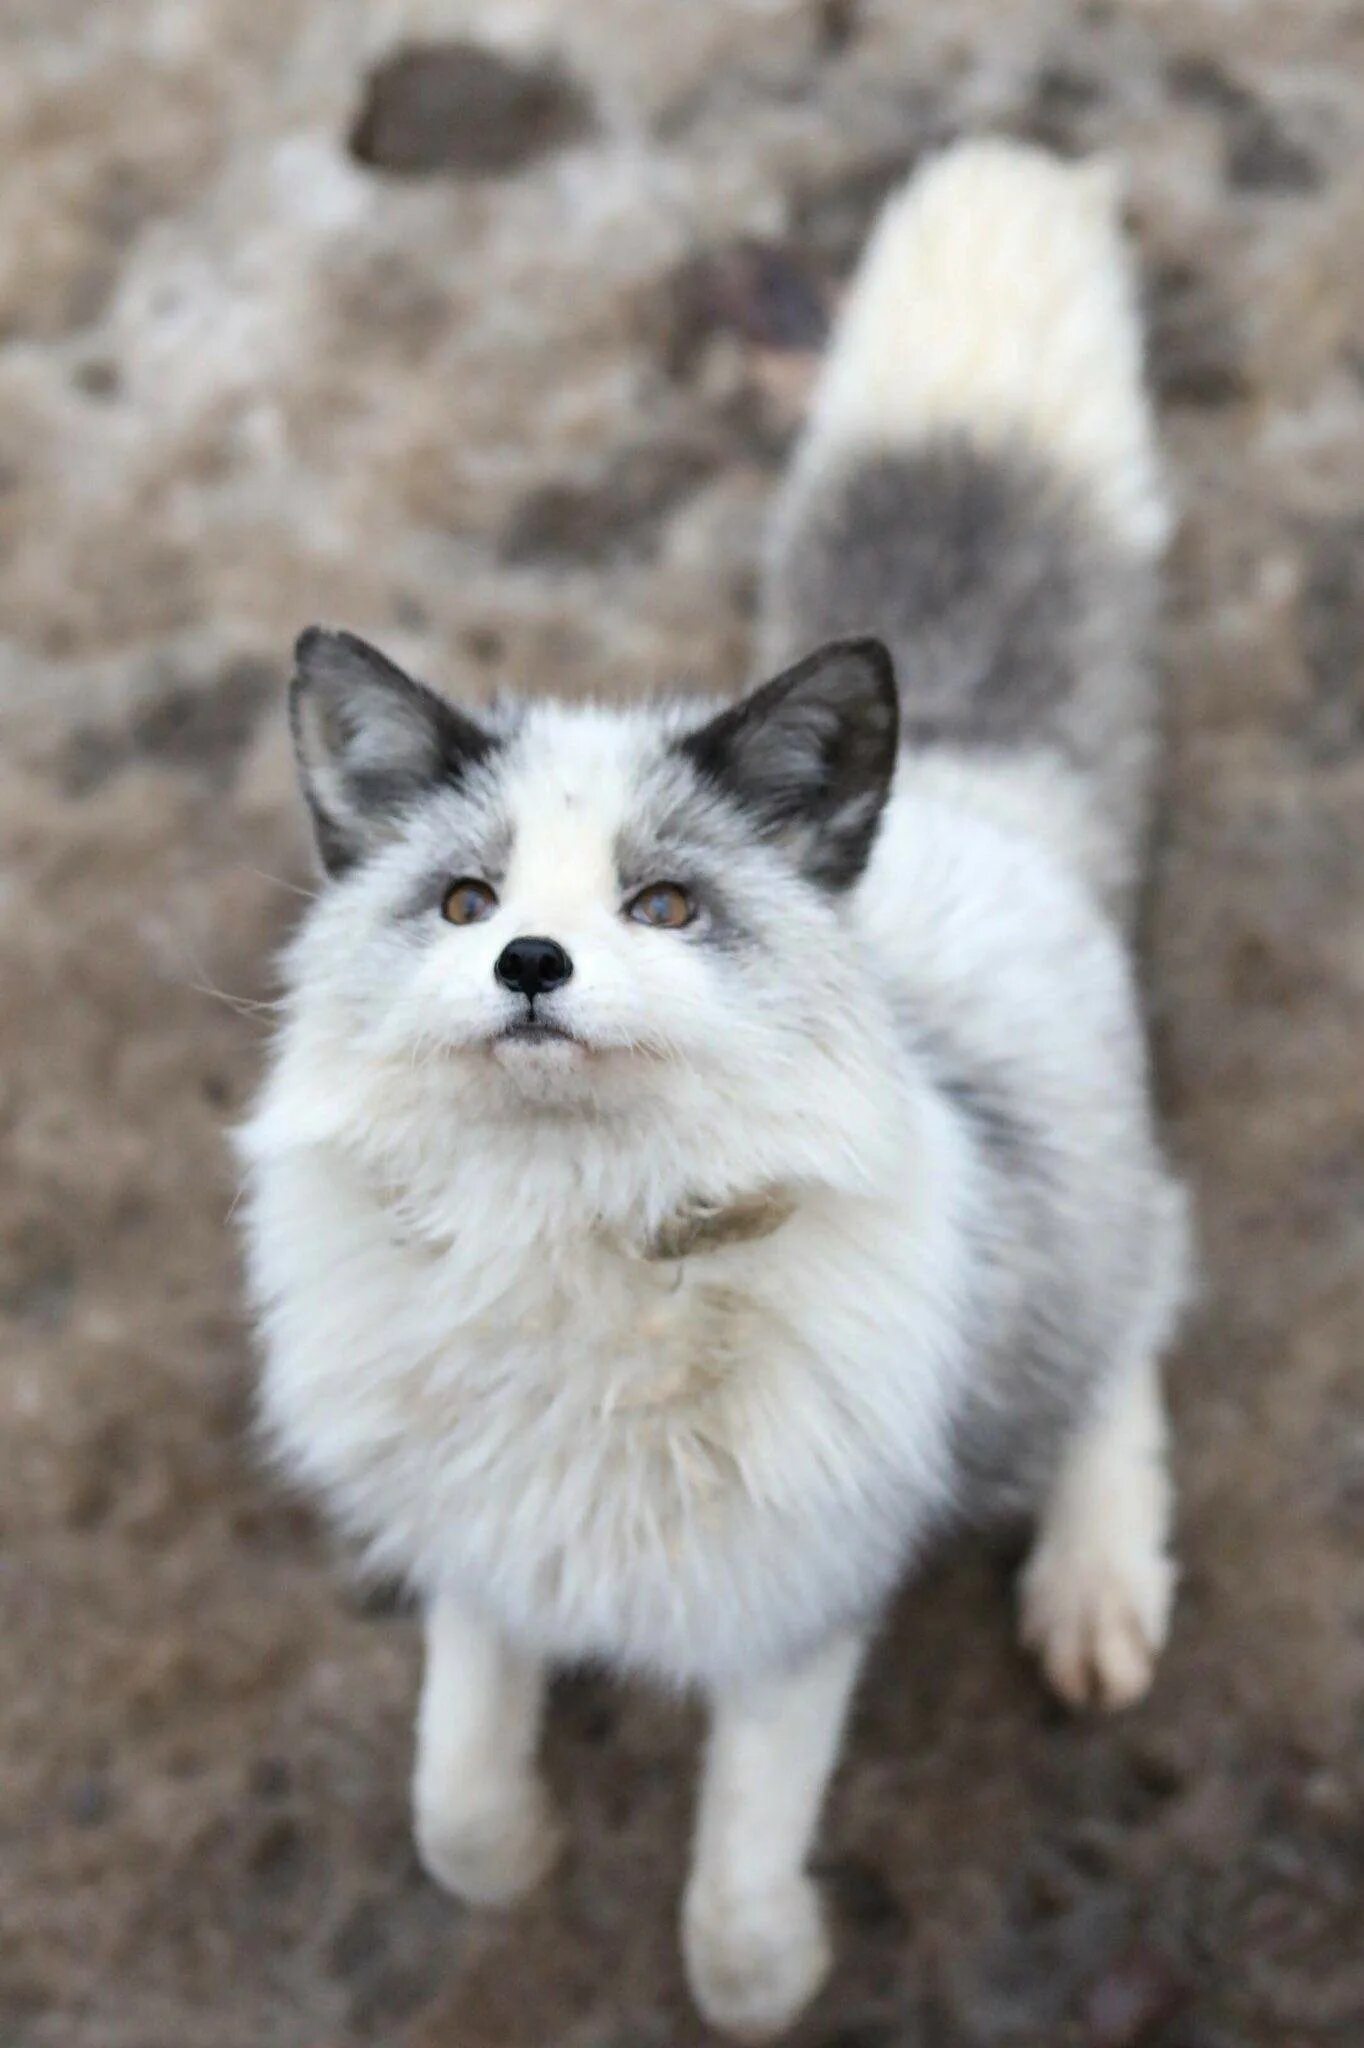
point(491, 349)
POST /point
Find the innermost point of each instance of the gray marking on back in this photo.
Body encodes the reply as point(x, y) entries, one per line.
point(1015, 622)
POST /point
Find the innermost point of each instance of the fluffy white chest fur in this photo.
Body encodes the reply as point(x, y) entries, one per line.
point(707, 1150)
point(681, 1466)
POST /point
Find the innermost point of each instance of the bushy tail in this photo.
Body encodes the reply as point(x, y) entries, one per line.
point(996, 299)
point(978, 482)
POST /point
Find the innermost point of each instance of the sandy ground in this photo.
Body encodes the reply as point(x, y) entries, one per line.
point(493, 355)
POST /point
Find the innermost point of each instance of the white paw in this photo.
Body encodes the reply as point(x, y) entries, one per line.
point(1096, 1616)
point(491, 1853)
point(754, 1963)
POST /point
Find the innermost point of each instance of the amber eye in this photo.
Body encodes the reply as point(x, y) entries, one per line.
point(468, 902)
point(662, 904)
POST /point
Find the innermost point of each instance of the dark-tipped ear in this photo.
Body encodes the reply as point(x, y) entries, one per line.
point(810, 755)
point(369, 741)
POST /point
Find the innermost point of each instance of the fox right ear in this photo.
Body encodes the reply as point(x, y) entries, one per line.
point(810, 756)
point(369, 741)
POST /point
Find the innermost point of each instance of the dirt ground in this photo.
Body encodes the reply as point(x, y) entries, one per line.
point(493, 353)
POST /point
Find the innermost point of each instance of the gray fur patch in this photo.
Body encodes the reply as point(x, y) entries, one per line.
point(1013, 621)
point(1042, 1343)
point(482, 849)
point(684, 847)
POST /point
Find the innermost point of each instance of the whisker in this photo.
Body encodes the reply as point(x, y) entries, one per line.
point(294, 888)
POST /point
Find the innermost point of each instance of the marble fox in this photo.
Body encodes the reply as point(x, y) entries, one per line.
point(708, 1151)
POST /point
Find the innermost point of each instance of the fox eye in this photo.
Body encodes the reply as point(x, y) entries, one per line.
point(662, 904)
point(468, 902)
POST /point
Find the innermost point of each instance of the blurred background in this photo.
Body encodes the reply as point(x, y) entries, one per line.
point(484, 330)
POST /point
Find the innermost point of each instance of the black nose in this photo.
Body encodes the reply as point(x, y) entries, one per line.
point(533, 966)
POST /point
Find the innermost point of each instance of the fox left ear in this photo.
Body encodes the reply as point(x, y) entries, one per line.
point(369, 742)
point(810, 756)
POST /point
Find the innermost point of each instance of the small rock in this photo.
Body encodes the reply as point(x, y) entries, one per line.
point(1095, 1847)
point(1061, 100)
point(460, 108)
point(863, 1896)
point(276, 1852)
point(1331, 625)
point(1202, 81)
point(201, 728)
point(98, 378)
point(1262, 158)
point(1194, 352)
point(836, 24)
point(766, 293)
point(1160, 1764)
point(205, 729)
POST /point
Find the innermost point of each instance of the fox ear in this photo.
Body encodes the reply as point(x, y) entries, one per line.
point(368, 742)
point(810, 756)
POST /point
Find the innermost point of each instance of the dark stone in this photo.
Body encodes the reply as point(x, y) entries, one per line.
point(1094, 1847)
point(457, 107)
point(836, 24)
point(1331, 624)
point(88, 759)
point(766, 293)
point(617, 516)
point(1160, 1764)
point(274, 1855)
point(198, 729)
point(1193, 351)
point(1262, 158)
point(1061, 100)
point(98, 378)
point(205, 730)
point(1203, 82)
point(863, 1897)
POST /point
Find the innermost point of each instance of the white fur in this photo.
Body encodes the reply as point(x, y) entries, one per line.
point(996, 299)
point(752, 1927)
point(483, 1820)
point(715, 1470)
point(1097, 1590)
